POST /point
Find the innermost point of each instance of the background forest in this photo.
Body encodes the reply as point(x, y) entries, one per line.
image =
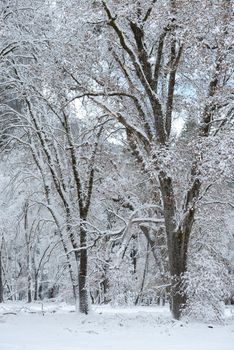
point(116, 152)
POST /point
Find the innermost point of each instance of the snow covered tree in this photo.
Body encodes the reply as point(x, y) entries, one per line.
point(142, 80)
point(85, 81)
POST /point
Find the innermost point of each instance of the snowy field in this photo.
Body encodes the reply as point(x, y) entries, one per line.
point(52, 326)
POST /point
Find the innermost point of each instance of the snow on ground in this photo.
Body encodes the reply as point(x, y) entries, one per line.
point(53, 326)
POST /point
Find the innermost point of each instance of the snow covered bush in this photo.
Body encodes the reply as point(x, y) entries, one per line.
point(207, 281)
point(209, 277)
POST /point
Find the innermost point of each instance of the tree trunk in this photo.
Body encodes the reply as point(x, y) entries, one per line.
point(29, 277)
point(178, 236)
point(144, 275)
point(29, 290)
point(35, 287)
point(105, 284)
point(83, 295)
point(177, 265)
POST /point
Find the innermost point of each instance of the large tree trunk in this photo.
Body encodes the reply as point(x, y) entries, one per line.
point(177, 265)
point(178, 234)
point(83, 294)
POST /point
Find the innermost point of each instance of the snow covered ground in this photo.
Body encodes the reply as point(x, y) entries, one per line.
point(53, 326)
